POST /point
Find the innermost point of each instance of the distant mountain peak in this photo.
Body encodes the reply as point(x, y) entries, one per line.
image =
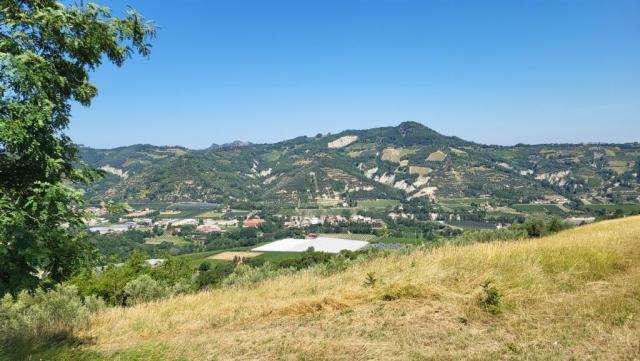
point(234, 144)
point(411, 124)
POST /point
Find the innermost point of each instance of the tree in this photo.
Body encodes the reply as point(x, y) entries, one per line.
point(46, 53)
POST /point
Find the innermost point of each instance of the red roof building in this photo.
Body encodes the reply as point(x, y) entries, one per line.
point(253, 223)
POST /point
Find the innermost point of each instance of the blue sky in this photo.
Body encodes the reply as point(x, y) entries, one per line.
point(499, 72)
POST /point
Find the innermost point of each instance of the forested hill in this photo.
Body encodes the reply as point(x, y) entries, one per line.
point(409, 161)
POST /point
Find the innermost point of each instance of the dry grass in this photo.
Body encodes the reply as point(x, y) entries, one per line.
point(575, 295)
point(391, 155)
point(419, 170)
point(230, 256)
point(437, 156)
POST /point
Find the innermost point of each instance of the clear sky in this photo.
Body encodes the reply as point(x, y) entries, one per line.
point(498, 72)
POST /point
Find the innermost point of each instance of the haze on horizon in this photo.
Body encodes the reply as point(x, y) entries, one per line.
point(496, 72)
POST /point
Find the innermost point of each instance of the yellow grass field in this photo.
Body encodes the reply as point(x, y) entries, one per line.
point(571, 296)
point(230, 256)
point(419, 170)
point(437, 156)
point(391, 155)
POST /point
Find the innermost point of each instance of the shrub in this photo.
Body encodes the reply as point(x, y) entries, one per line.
point(335, 264)
point(181, 288)
point(30, 321)
point(489, 235)
point(94, 303)
point(489, 297)
point(396, 292)
point(143, 289)
point(540, 227)
point(175, 276)
point(215, 275)
point(245, 275)
point(370, 280)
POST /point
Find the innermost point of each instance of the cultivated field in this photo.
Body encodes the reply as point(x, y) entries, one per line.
point(574, 295)
point(539, 208)
point(230, 256)
point(161, 239)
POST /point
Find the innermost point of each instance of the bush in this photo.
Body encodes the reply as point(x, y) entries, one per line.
point(215, 275)
point(94, 303)
point(30, 321)
point(143, 289)
point(489, 235)
point(396, 292)
point(489, 297)
point(245, 275)
point(335, 264)
point(540, 227)
point(175, 276)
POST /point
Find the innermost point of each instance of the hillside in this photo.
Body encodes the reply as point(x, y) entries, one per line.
point(574, 295)
point(410, 161)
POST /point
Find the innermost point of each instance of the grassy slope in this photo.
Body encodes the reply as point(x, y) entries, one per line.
point(575, 294)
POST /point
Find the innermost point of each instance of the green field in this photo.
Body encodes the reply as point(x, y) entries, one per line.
point(161, 239)
point(210, 214)
point(330, 202)
point(463, 200)
point(539, 208)
point(626, 208)
point(378, 203)
point(315, 212)
point(184, 213)
point(196, 259)
point(461, 203)
point(276, 257)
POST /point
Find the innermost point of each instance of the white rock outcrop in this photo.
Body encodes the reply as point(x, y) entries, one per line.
point(343, 141)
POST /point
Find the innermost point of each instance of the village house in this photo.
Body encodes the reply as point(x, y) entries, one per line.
point(253, 223)
point(117, 228)
point(226, 223)
point(185, 222)
point(208, 228)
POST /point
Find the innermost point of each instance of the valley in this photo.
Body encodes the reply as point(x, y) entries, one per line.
point(396, 185)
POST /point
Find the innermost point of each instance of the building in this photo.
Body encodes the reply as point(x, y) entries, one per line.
point(185, 222)
point(253, 223)
point(209, 228)
point(118, 228)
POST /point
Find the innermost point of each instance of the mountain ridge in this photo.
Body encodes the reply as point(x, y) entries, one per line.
point(405, 162)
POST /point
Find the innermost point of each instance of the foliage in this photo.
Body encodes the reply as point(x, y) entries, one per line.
point(215, 275)
point(31, 320)
point(246, 275)
point(489, 297)
point(539, 227)
point(117, 283)
point(469, 172)
point(396, 292)
point(143, 289)
point(370, 280)
point(489, 235)
point(46, 53)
